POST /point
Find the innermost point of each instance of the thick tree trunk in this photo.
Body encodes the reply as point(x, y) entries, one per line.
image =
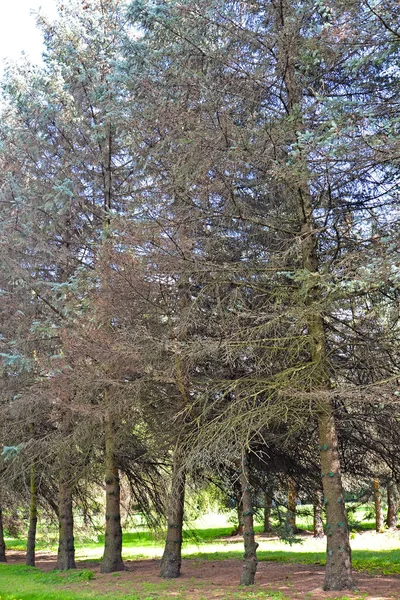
point(268, 495)
point(3, 558)
point(318, 524)
point(378, 506)
point(393, 504)
point(171, 560)
point(250, 545)
point(66, 548)
point(112, 558)
point(338, 573)
point(30, 550)
point(292, 505)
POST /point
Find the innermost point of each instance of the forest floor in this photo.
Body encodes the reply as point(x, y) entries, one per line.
point(212, 564)
point(211, 580)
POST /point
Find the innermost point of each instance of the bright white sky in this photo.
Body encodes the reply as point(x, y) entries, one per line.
point(18, 29)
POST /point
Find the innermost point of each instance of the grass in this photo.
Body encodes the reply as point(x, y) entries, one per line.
point(18, 582)
point(373, 553)
point(202, 530)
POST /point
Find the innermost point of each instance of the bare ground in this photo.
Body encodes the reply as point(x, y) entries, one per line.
point(208, 580)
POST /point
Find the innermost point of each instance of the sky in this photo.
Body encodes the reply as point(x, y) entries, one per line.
point(18, 29)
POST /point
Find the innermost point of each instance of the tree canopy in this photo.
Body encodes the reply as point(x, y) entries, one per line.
point(200, 260)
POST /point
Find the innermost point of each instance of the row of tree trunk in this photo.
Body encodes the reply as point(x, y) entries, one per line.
point(392, 505)
point(171, 560)
point(380, 521)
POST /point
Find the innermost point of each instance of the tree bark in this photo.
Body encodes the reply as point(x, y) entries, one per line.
point(292, 505)
point(112, 558)
point(30, 550)
point(393, 504)
point(3, 558)
point(240, 528)
point(318, 524)
point(172, 557)
point(250, 545)
point(66, 547)
point(338, 574)
point(239, 508)
point(268, 495)
point(379, 528)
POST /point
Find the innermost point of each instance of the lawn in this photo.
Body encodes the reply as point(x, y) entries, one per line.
point(372, 553)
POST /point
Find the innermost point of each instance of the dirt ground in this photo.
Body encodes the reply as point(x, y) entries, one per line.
point(219, 579)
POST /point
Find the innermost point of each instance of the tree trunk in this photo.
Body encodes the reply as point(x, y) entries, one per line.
point(338, 575)
point(171, 560)
point(318, 524)
point(250, 545)
point(112, 558)
point(291, 505)
point(66, 548)
point(240, 528)
point(268, 495)
point(378, 506)
point(239, 508)
point(393, 504)
point(30, 550)
point(3, 558)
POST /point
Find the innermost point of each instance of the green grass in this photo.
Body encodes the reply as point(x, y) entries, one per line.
point(20, 544)
point(374, 553)
point(375, 559)
point(206, 528)
point(18, 582)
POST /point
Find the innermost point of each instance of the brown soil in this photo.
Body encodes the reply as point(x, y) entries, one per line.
point(207, 580)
